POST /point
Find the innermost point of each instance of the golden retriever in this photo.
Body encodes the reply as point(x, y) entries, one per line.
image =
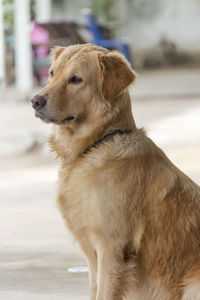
point(135, 215)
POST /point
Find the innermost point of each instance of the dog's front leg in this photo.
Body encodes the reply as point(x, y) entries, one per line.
point(109, 276)
point(92, 264)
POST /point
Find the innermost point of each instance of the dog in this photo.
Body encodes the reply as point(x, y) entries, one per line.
point(135, 215)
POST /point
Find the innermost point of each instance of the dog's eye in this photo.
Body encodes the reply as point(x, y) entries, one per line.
point(51, 73)
point(75, 79)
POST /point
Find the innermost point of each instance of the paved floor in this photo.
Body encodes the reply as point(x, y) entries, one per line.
point(36, 250)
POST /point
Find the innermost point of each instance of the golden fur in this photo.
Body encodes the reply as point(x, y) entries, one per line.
point(135, 215)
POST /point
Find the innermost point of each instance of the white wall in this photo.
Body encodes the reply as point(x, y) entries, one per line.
point(70, 10)
point(147, 22)
point(43, 9)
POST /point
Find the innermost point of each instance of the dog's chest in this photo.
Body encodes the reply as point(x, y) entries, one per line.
point(89, 199)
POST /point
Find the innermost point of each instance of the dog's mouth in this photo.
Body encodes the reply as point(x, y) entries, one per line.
point(51, 120)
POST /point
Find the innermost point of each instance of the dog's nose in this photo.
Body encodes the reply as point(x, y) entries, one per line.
point(38, 102)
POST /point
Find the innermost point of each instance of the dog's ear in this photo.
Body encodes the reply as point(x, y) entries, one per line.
point(117, 74)
point(55, 52)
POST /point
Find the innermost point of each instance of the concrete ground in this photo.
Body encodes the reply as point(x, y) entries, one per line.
point(36, 249)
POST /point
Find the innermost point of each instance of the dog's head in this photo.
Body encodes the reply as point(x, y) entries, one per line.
point(83, 79)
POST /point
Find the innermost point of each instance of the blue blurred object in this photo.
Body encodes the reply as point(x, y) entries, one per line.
point(100, 41)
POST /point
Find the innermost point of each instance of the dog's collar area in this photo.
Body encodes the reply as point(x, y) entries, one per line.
point(97, 143)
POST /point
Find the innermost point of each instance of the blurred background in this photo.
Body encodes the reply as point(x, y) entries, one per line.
point(161, 40)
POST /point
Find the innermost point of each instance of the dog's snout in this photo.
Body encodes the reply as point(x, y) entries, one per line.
point(38, 102)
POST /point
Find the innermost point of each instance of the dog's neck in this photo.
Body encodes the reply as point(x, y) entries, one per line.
point(123, 119)
point(107, 136)
point(69, 145)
